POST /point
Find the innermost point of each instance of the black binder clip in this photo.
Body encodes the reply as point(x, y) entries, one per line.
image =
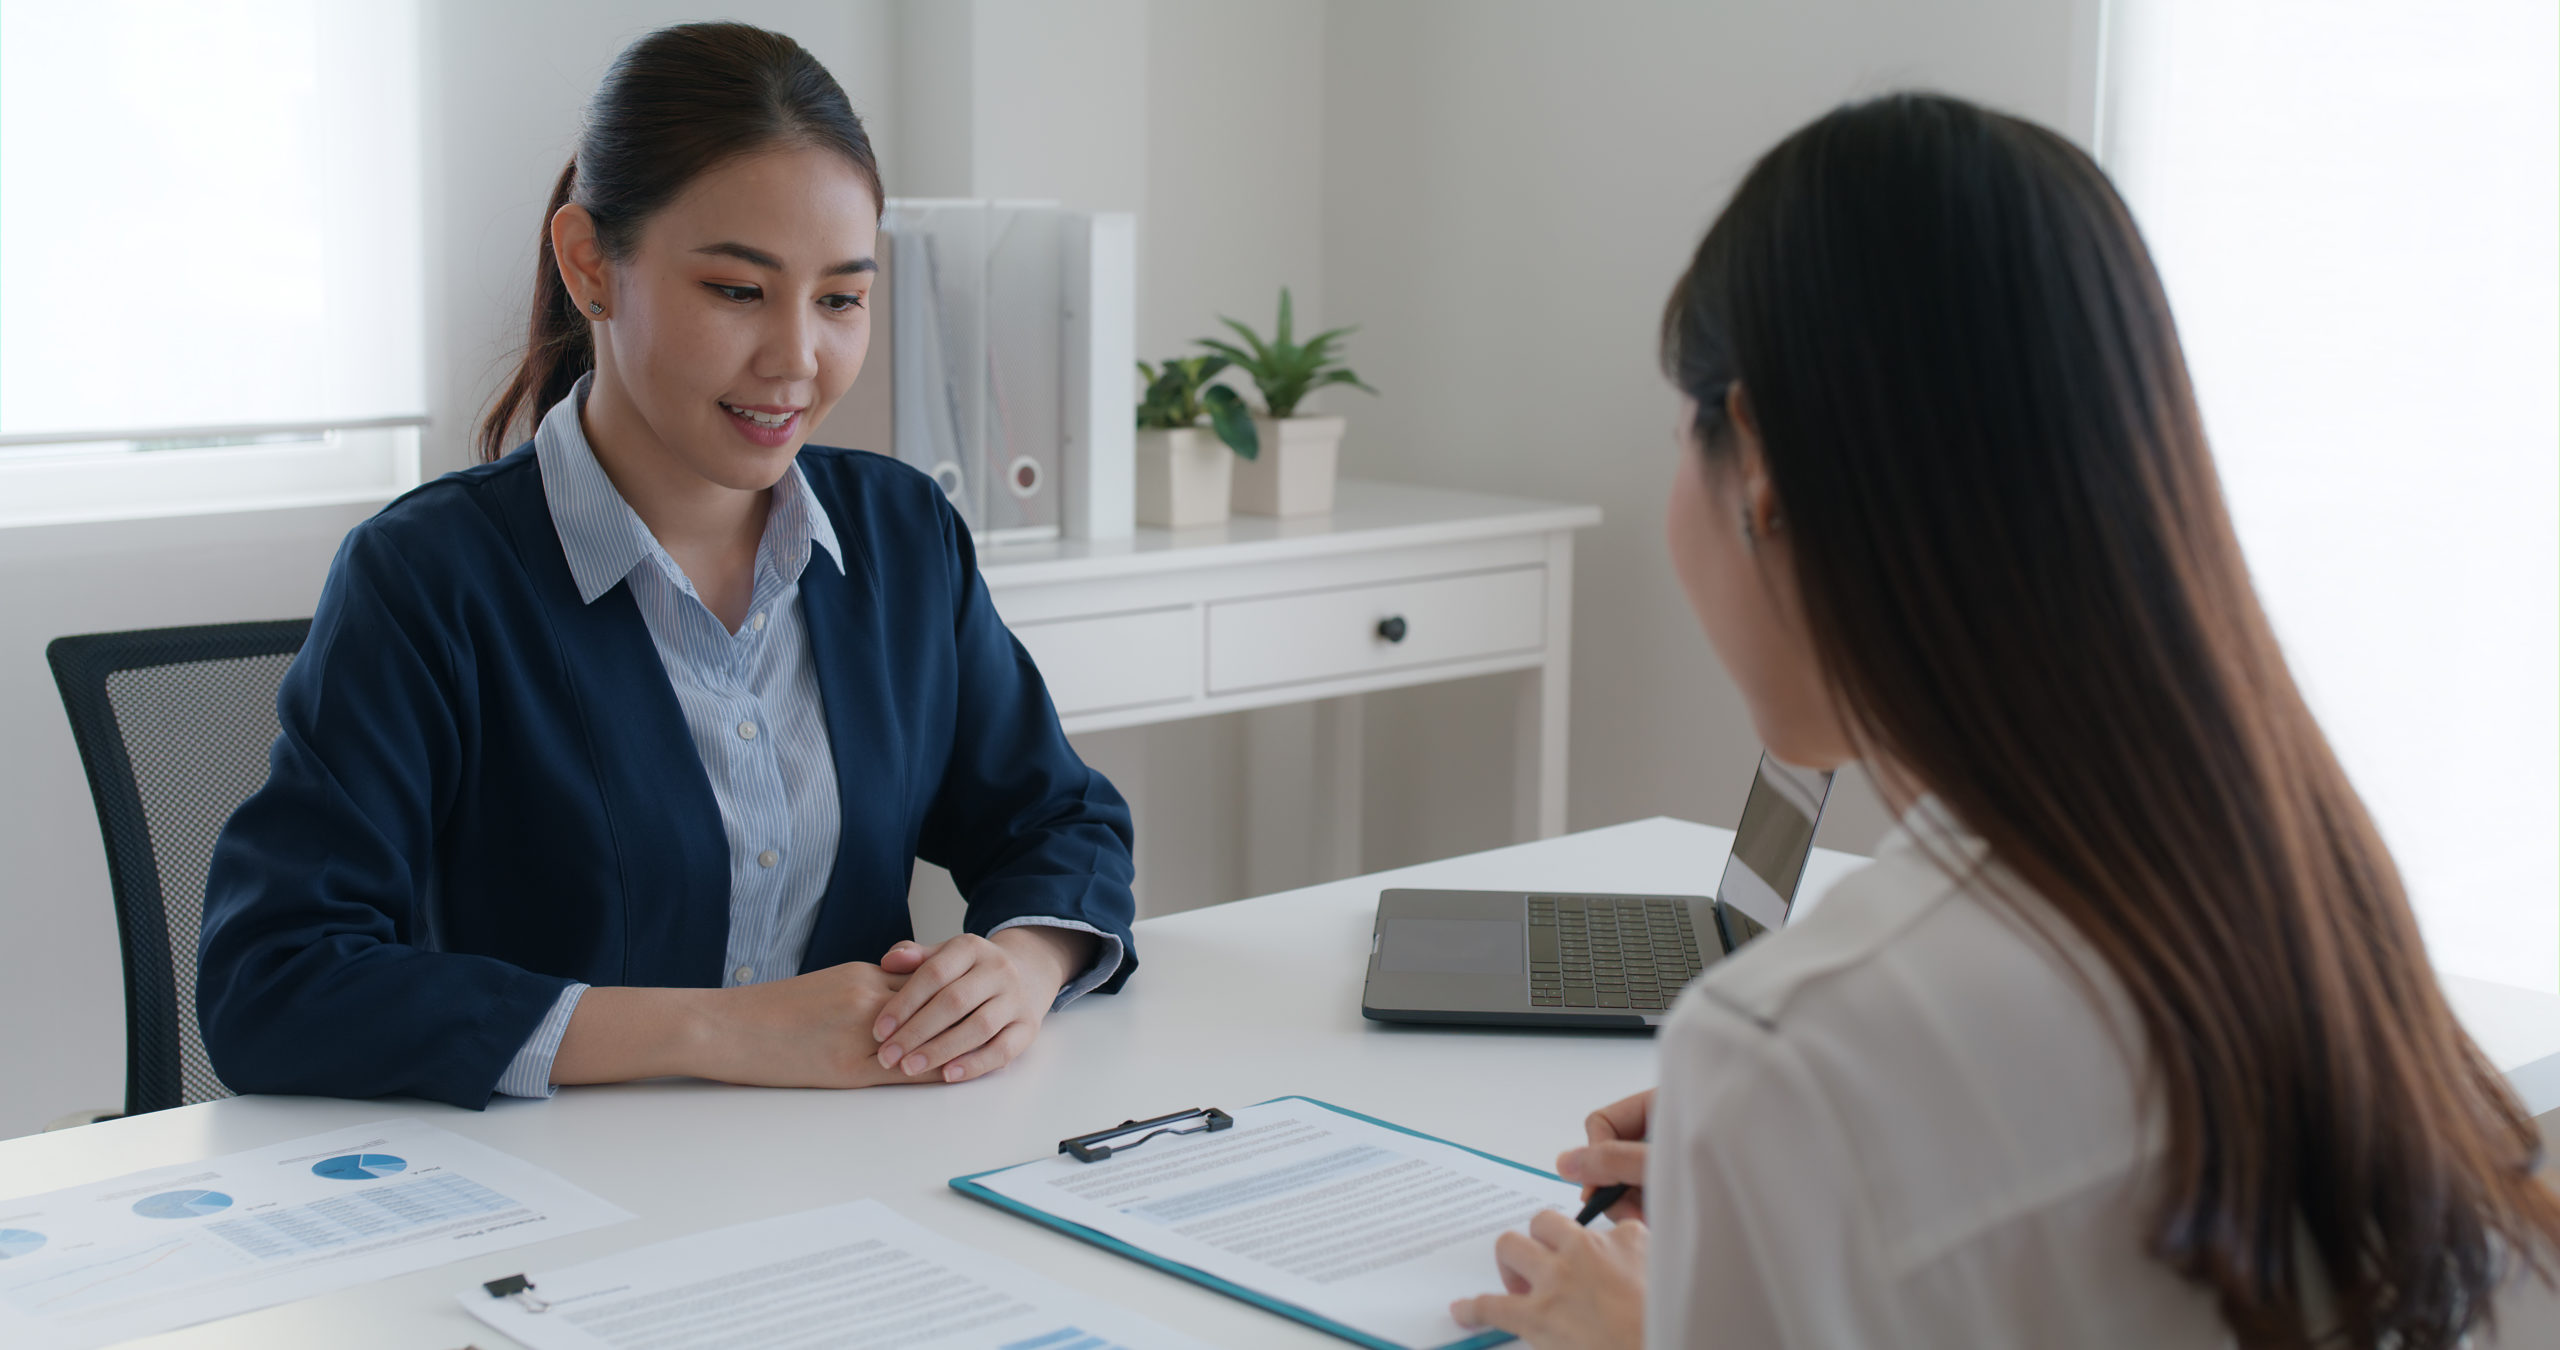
point(1095, 1147)
point(520, 1289)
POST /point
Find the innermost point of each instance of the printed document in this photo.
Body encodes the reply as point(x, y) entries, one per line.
point(859, 1276)
point(1352, 1221)
point(170, 1247)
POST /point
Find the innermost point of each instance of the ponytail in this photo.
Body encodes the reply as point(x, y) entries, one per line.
point(558, 346)
point(676, 104)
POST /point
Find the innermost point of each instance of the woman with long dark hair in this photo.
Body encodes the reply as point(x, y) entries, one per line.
point(610, 758)
point(2127, 1038)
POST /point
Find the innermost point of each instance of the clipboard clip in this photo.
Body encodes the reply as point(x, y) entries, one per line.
point(519, 1289)
point(1094, 1147)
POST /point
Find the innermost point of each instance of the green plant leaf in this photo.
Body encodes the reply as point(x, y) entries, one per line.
point(1338, 375)
point(1321, 345)
point(1235, 356)
point(1261, 351)
point(1173, 397)
point(1283, 396)
point(1233, 420)
point(1281, 339)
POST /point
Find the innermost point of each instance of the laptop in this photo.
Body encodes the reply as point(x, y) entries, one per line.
point(1505, 958)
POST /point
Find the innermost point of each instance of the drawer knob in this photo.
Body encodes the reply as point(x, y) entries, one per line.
point(1392, 628)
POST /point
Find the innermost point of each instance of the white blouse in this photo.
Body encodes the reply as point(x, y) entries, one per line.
point(1903, 1122)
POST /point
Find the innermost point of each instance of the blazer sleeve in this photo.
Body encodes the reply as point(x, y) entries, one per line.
point(1026, 829)
point(315, 968)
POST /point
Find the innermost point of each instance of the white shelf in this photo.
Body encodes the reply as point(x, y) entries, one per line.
point(1366, 516)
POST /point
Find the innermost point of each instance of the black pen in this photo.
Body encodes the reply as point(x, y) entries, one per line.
point(1599, 1203)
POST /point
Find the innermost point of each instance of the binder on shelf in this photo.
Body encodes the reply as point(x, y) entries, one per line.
point(1003, 336)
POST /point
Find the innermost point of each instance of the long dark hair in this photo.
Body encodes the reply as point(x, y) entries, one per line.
point(2018, 572)
point(676, 104)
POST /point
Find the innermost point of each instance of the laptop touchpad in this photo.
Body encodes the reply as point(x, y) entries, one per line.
point(1450, 946)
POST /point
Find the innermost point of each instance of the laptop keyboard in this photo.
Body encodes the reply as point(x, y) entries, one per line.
point(1609, 952)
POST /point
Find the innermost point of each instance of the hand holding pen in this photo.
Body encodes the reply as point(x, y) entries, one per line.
point(1570, 1286)
point(1611, 1166)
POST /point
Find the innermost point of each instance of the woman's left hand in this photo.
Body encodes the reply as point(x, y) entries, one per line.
point(971, 1004)
point(1571, 1288)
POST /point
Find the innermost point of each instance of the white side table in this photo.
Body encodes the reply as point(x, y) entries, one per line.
point(1398, 586)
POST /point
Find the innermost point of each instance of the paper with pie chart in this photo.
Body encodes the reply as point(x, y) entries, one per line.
point(154, 1250)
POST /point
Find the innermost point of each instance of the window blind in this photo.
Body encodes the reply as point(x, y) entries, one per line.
point(210, 223)
point(2353, 208)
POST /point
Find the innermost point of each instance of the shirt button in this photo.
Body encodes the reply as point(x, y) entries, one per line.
point(758, 621)
point(746, 731)
point(768, 858)
point(743, 974)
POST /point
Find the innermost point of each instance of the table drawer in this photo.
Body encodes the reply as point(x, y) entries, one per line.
point(1117, 660)
point(1321, 635)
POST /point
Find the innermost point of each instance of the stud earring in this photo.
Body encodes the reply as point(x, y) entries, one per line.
point(596, 307)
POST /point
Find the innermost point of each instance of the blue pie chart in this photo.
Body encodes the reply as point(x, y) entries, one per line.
point(359, 1167)
point(19, 1242)
point(181, 1204)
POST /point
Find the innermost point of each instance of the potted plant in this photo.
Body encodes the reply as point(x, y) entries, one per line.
point(1293, 473)
point(1183, 476)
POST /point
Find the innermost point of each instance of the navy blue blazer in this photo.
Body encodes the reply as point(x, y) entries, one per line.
point(484, 789)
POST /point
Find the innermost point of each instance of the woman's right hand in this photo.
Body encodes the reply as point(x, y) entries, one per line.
point(811, 1030)
point(1615, 1155)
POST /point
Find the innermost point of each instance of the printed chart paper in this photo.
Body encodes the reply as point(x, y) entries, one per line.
point(856, 1276)
point(166, 1248)
point(1359, 1224)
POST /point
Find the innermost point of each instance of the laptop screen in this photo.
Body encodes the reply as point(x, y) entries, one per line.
point(1770, 845)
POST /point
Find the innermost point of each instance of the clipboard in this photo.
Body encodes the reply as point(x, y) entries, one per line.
point(970, 1186)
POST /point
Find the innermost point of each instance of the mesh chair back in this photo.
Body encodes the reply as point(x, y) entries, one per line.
point(175, 726)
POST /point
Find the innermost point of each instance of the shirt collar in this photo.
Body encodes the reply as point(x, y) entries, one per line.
point(1930, 833)
point(603, 538)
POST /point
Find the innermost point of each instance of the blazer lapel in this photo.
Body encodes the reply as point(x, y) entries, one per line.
point(864, 912)
point(667, 841)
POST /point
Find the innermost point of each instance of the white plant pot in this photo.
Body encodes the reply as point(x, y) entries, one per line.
point(1293, 476)
point(1183, 477)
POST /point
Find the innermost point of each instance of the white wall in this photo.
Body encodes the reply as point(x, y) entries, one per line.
point(1499, 192)
point(1210, 132)
point(61, 979)
point(1510, 189)
point(502, 88)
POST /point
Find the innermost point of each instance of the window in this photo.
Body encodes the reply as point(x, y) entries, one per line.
point(210, 255)
point(2353, 208)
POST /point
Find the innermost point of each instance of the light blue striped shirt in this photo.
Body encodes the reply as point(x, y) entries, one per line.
point(751, 703)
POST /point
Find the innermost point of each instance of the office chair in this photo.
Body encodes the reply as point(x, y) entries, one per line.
point(174, 727)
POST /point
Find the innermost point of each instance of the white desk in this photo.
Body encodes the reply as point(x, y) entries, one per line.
point(1260, 611)
point(1235, 1004)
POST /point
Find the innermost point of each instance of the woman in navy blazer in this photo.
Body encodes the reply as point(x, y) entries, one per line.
point(563, 757)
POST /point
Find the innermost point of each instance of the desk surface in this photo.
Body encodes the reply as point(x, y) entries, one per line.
point(1235, 1004)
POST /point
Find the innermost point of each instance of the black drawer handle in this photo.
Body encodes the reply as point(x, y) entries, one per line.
point(1392, 628)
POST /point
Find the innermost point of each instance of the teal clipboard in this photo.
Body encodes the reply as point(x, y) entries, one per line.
point(969, 1186)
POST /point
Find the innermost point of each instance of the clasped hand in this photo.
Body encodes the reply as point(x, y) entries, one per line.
point(944, 1013)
